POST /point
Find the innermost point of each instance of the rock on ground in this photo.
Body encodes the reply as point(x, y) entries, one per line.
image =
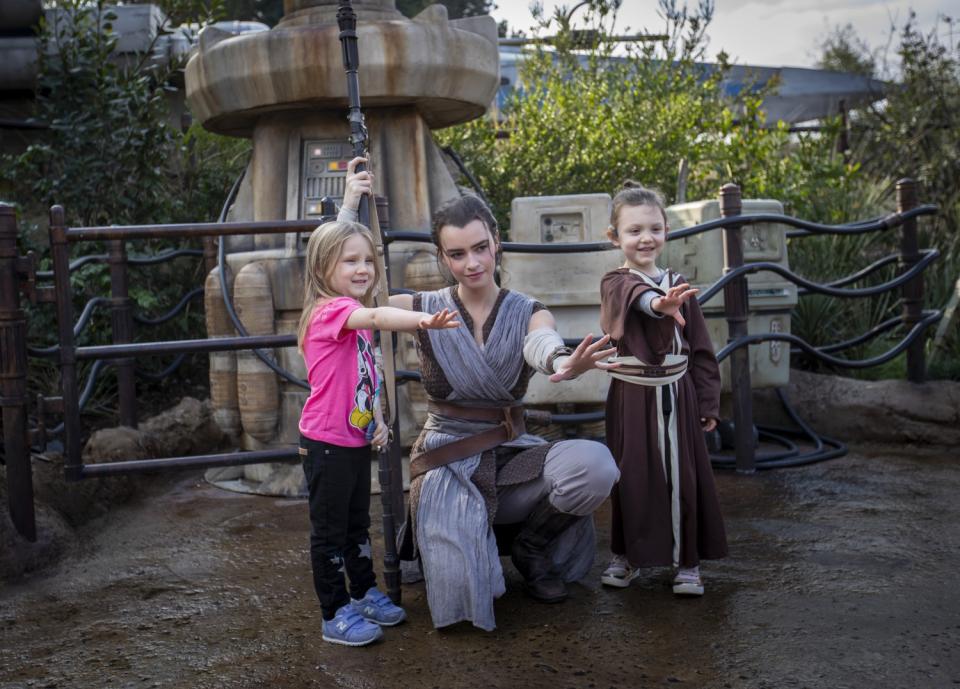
point(60, 507)
point(882, 411)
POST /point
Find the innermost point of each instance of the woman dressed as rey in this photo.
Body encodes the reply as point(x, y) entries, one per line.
point(473, 464)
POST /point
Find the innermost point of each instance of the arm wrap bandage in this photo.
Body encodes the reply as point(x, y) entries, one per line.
point(542, 348)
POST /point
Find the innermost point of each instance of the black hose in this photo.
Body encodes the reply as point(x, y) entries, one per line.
point(228, 301)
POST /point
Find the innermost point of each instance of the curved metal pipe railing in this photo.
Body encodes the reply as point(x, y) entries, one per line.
point(78, 328)
point(859, 275)
point(172, 313)
point(261, 354)
point(875, 331)
point(929, 318)
point(160, 375)
point(162, 257)
point(823, 447)
point(87, 392)
point(885, 223)
point(929, 256)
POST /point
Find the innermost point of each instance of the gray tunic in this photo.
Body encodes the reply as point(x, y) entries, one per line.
point(453, 531)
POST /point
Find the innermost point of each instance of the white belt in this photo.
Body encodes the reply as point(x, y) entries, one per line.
point(633, 370)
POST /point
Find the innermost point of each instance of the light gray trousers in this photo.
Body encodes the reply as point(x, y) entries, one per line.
point(577, 476)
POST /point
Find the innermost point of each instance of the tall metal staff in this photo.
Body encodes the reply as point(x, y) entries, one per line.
point(347, 22)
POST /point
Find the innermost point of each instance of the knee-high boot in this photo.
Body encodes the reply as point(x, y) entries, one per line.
point(530, 551)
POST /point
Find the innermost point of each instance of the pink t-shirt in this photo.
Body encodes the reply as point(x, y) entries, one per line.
point(342, 375)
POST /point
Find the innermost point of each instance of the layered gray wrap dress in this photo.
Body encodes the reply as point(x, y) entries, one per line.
point(454, 506)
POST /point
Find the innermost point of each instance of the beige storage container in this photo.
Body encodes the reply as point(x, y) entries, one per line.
point(568, 284)
point(701, 259)
point(560, 279)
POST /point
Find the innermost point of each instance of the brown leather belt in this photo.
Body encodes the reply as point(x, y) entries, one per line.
point(510, 425)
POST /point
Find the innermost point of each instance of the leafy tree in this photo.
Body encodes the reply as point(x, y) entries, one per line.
point(189, 11)
point(581, 120)
point(456, 9)
point(911, 132)
point(844, 51)
point(112, 156)
point(107, 123)
point(267, 11)
point(914, 130)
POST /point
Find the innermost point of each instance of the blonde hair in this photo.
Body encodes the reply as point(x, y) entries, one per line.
point(635, 194)
point(323, 251)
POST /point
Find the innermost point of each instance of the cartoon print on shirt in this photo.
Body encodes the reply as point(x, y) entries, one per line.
point(362, 413)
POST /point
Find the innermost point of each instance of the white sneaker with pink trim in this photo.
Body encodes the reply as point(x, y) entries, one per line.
point(619, 573)
point(688, 582)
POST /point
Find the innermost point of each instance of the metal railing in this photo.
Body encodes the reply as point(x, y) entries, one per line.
point(123, 317)
point(16, 275)
point(733, 285)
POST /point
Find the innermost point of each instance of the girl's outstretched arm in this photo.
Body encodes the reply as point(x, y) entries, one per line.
point(391, 318)
point(669, 304)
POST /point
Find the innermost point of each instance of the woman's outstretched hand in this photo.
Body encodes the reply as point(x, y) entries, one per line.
point(440, 320)
point(670, 303)
point(586, 356)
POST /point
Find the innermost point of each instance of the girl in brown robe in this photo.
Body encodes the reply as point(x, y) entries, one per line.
point(665, 507)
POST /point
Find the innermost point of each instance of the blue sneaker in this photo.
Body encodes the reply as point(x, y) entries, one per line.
point(349, 629)
point(378, 608)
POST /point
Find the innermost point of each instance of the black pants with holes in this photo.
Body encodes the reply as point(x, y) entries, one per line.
point(338, 480)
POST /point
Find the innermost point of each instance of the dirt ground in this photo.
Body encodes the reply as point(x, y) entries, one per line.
point(841, 574)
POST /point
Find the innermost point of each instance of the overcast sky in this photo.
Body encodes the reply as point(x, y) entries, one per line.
point(765, 32)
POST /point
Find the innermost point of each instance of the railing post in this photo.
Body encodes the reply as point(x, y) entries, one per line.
point(390, 471)
point(121, 322)
point(13, 381)
point(60, 251)
point(911, 292)
point(736, 307)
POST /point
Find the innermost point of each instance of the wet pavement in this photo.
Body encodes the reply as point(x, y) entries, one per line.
point(841, 574)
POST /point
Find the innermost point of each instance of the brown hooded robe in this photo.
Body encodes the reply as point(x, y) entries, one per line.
point(650, 525)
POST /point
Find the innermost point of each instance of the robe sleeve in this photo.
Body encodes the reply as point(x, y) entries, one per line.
point(619, 291)
point(703, 366)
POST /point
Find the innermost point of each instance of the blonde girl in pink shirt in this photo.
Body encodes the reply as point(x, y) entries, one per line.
point(335, 427)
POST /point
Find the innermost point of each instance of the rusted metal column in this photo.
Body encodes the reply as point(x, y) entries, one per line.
point(843, 138)
point(912, 292)
point(121, 322)
point(13, 381)
point(389, 468)
point(736, 307)
point(396, 456)
point(60, 251)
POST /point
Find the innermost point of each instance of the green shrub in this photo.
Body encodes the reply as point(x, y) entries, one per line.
point(579, 122)
point(112, 156)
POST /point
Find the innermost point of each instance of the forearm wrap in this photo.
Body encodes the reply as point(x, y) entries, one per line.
point(542, 347)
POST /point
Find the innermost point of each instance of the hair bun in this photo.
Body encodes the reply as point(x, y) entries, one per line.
point(630, 184)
